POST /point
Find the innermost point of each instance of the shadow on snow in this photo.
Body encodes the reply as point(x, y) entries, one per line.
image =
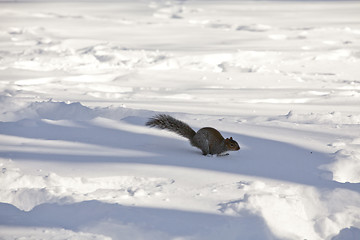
point(261, 157)
point(119, 221)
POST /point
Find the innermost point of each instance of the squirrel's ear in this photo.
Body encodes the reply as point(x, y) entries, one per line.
point(231, 138)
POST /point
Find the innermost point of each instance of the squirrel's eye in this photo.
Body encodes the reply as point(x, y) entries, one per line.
point(231, 145)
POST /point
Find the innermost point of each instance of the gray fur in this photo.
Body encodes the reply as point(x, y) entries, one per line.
point(164, 121)
point(209, 140)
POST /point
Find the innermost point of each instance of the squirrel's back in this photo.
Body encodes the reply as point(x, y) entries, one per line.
point(209, 140)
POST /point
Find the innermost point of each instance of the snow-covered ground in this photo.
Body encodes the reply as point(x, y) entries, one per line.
point(79, 80)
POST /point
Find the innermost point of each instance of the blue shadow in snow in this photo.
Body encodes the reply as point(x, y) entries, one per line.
point(262, 157)
point(90, 214)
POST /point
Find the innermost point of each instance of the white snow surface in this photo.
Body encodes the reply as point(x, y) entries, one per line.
point(78, 80)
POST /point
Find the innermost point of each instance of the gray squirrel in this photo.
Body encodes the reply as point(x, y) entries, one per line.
point(208, 139)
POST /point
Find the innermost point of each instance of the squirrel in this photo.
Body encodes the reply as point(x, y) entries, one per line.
point(208, 140)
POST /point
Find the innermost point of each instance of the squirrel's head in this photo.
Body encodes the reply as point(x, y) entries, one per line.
point(231, 144)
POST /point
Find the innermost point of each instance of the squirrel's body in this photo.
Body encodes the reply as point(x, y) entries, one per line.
point(209, 140)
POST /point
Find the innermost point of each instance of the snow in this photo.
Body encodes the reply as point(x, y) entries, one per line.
point(78, 81)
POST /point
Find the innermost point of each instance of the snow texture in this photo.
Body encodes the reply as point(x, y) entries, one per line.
point(79, 80)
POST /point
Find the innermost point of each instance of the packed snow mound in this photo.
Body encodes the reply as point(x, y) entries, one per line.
point(59, 111)
point(308, 210)
point(51, 188)
point(52, 110)
point(346, 167)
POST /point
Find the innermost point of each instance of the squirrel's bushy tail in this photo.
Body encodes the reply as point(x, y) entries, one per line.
point(164, 121)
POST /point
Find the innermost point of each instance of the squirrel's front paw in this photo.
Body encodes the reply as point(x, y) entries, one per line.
point(208, 155)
